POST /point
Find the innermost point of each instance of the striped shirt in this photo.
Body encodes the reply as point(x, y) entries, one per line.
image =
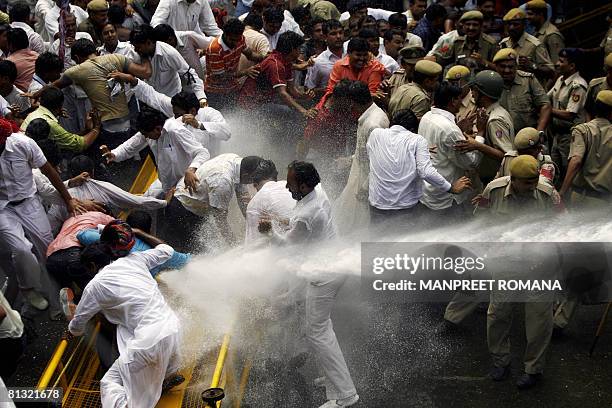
point(221, 67)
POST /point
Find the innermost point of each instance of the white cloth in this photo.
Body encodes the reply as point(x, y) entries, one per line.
point(175, 151)
point(15, 98)
point(52, 23)
point(123, 48)
point(188, 43)
point(390, 64)
point(21, 154)
point(168, 66)
point(68, 61)
point(12, 326)
point(147, 328)
point(219, 178)
point(350, 212)
point(217, 129)
point(41, 9)
point(378, 14)
point(399, 162)
point(45, 190)
point(291, 24)
point(438, 128)
point(184, 16)
point(36, 42)
point(273, 200)
point(314, 210)
point(4, 106)
point(107, 193)
point(317, 75)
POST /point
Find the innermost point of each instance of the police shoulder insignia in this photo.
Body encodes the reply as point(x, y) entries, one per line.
point(499, 133)
point(575, 97)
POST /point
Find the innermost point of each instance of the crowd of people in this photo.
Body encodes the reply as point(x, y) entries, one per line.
point(387, 115)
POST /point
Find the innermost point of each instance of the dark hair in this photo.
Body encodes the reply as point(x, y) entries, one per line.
point(82, 48)
point(357, 45)
point(419, 77)
point(342, 89)
point(50, 150)
point(4, 27)
point(8, 69)
point(389, 34)
point(360, 94)
point(163, 32)
point(367, 33)
point(149, 119)
point(266, 170)
point(305, 173)
point(52, 98)
point(233, 26)
point(481, 2)
point(435, 11)
point(406, 119)
point(601, 110)
point(142, 34)
point(17, 39)
point(254, 20)
point(80, 164)
point(573, 55)
point(288, 41)
point(398, 20)
point(354, 5)
point(186, 101)
point(141, 220)
point(99, 254)
point(38, 129)
point(47, 62)
point(116, 14)
point(19, 12)
point(331, 25)
point(367, 19)
point(248, 165)
point(273, 15)
point(444, 93)
point(301, 15)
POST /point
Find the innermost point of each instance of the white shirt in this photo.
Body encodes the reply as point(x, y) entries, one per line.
point(399, 162)
point(390, 64)
point(52, 23)
point(219, 179)
point(168, 66)
point(4, 106)
point(438, 128)
point(216, 128)
point(291, 24)
point(123, 48)
point(317, 75)
point(129, 297)
point(175, 151)
point(273, 200)
point(188, 43)
point(314, 210)
point(183, 16)
point(21, 154)
point(11, 326)
point(36, 42)
point(378, 14)
point(41, 9)
point(15, 98)
point(68, 61)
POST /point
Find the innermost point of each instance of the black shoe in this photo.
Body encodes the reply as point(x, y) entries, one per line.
point(528, 380)
point(172, 381)
point(500, 373)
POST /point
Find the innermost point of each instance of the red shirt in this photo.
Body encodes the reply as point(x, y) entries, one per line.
point(221, 67)
point(274, 71)
point(371, 74)
point(329, 131)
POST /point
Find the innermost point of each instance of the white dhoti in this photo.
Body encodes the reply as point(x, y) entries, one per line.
point(320, 300)
point(135, 378)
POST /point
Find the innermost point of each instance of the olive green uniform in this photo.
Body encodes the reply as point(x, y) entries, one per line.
point(530, 47)
point(486, 46)
point(595, 86)
point(397, 79)
point(410, 96)
point(553, 40)
point(504, 168)
point(499, 134)
point(567, 94)
point(524, 99)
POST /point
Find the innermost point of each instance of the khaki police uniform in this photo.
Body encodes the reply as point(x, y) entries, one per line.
point(530, 47)
point(462, 48)
point(499, 134)
point(397, 79)
point(504, 168)
point(524, 99)
point(595, 86)
point(410, 96)
point(567, 94)
point(553, 40)
point(468, 107)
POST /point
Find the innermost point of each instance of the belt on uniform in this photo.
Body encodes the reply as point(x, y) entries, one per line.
point(14, 203)
point(594, 194)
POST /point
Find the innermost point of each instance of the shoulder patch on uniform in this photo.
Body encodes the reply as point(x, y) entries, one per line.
point(576, 97)
point(545, 187)
point(499, 133)
point(533, 40)
point(524, 73)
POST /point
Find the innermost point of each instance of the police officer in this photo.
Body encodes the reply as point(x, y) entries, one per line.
point(545, 31)
point(493, 122)
point(598, 84)
point(528, 141)
point(416, 96)
point(568, 97)
point(471, 44)
point(460, 76)
point(533, 56)
point(523, 96)
point(589, 174)
point(409, 56)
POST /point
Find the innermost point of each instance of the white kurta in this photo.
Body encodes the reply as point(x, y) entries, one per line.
point(273, 200)
point(147, 328)
point(217, 129)
point(351, 212)
point(175, 151)
point(52, 23)
point(184, 16)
